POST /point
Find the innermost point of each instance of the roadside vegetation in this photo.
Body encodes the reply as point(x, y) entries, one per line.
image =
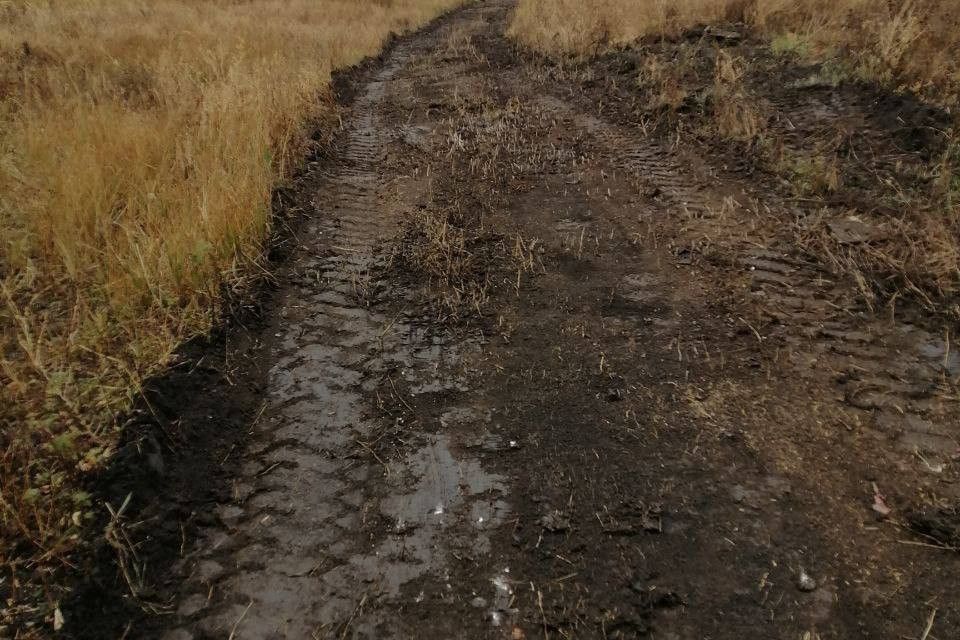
point(140, 143)
point(908, 45)
point(742, 75)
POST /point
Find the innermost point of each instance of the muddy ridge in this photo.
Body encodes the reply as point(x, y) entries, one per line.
point(634, 410)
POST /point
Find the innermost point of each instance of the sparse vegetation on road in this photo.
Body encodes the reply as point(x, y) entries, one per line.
point(737, 71)
point(139, 146)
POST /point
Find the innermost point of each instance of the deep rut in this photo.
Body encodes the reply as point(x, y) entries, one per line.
point(599, 443)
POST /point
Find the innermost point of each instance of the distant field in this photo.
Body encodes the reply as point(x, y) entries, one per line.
point(911, 44)
point(139, 145)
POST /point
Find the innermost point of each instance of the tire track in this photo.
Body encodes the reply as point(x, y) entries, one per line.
point(901, 371)
point(321, 527)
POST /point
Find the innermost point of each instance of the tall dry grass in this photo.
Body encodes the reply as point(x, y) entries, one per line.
point(907, 44)
point(140, 141)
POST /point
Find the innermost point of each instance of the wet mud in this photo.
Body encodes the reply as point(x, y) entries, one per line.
point(606, 431)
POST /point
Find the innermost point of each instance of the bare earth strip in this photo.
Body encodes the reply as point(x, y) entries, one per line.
point(586, 433)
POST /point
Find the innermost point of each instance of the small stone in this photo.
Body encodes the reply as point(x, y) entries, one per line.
point(555, 522)
point(805, 582)
point(852, 230)
point(722, 34)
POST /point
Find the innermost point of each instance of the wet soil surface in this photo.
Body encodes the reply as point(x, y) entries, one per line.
point(503, 390)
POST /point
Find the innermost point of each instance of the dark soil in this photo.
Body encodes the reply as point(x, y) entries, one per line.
point(528, 370)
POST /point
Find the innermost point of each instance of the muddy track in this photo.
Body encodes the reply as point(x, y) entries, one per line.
point(621, 435)
point(321, 531)
point(895, 369)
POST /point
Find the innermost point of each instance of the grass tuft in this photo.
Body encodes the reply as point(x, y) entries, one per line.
point(790, 45)
point(735, 114)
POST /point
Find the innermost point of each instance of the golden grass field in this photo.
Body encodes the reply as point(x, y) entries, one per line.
point(139, 145)
point(911, 44)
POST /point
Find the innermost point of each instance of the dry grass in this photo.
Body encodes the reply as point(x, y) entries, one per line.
point(458, 257)
point(913, 250)
point(907, 45)
point(736, 115)
point(459, 265)
point(664, 80)
point(572, 26)
point(139, 146)
point(450, 262)
point(671, 85)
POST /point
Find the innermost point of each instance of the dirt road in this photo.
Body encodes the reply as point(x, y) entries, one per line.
point(497, 392)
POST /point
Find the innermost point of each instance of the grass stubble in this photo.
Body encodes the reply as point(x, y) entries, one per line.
point(140, 144)
point(455, 248)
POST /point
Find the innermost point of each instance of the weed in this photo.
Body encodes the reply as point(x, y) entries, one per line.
point(664, 80)
point(446, 259)
point(790, 45)
point(812, 175)
point(735, 114)
point(831, 73)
